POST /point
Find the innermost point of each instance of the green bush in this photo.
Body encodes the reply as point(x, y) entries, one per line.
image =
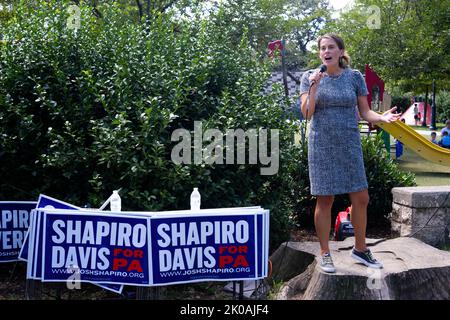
point(84, 113)
point(383, 174)
point(443, 106)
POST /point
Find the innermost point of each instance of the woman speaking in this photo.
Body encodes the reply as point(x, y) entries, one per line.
point(329, 97)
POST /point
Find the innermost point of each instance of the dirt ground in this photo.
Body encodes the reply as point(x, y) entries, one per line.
point(13, 287)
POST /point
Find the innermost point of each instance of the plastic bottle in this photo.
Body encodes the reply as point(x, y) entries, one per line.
point(195, 199)
point(116, 202)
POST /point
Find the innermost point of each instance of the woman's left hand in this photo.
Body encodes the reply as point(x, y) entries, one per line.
point(389, 116)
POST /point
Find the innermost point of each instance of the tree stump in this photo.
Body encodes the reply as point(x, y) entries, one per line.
point(412, 270)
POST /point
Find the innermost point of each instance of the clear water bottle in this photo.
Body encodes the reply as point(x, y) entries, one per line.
point(195, 199)
point(115, 202)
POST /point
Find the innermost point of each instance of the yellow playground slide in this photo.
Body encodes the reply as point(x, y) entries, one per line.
point(416, 142)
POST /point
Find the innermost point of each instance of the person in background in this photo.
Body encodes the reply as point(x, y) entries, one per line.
point(445, 140)
point(447, 127)
point(416, 113)
point(399, 144)
point(433, 138)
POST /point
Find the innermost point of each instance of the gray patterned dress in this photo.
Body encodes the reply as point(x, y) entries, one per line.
point(335, 158)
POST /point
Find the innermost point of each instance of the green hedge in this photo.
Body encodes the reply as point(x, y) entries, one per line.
point(88, 112)
point(443, 106)
point(84, 113)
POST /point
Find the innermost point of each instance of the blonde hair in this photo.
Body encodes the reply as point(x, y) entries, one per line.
point(344, 60)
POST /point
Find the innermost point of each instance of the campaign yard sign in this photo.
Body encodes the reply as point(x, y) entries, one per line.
point(104, 248)
point(14, 223)
point(32, 248)
point(210, 247)
point(44, 202)
point(150, 248)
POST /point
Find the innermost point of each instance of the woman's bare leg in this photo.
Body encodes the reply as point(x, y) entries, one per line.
point(359, 200)
point(322, 221)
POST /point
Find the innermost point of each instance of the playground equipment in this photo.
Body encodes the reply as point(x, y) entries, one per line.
point(417, 143)
point(399, 130)
point(408, 115)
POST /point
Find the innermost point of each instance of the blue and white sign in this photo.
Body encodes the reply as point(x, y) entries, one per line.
point(14, 223)
point(102, 248)
point(147, 248)
point(32, 249)
point(209, 247)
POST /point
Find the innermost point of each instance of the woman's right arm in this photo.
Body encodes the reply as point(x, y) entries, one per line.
point(309, 103)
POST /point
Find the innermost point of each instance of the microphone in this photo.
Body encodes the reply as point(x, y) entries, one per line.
point(323, 68)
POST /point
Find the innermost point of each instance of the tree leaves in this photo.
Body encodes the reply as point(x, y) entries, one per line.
point(409, 49)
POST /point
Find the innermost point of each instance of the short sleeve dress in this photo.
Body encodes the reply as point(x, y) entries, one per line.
point(335, 159)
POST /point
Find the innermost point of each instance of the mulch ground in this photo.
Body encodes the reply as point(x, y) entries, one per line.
point(13, 287)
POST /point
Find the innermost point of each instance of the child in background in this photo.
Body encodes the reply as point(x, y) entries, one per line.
point(416, 113)
point(433, 138)
point(399, 145)
point(445, 141)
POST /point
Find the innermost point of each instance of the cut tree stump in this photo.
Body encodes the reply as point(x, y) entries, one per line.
point(412, 270)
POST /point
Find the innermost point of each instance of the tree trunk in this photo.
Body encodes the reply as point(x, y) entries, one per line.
point(412, 270)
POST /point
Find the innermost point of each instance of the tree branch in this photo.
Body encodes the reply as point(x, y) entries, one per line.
point(95, 11)
point(164, 8)
point(139, 4)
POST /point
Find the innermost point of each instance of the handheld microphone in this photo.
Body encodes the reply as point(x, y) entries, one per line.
point(323, 68)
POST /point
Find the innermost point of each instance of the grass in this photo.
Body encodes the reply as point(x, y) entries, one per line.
point(439, 126)
point(276, 287)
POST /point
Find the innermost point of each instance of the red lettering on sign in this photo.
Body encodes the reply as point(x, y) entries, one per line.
point(135, 265)
point(138, 253)
point(240, 261)
point(242, 249)
point(128, 253)
point(222, 249)
point(224, 260)
point(119, 263)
